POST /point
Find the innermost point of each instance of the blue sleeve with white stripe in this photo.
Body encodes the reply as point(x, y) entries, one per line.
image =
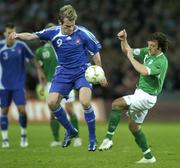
point(47, 34)
point(92, 44)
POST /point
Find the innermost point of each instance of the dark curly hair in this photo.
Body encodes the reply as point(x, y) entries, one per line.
point(162, 40)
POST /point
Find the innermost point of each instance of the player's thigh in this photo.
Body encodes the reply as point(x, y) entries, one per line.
point(21, 109)
point(5, 98)
point(140, 101)
point(19, 97)
point(54, 99)
point(85, 95)
point(120, 103)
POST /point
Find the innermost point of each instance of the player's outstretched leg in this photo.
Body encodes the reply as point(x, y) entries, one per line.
point(61, 116)
point(113, 123)
point(90, 120)
point(23, 125)
point(4, 132)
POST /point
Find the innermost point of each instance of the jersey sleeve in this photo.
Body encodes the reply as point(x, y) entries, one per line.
point(91, 43)
point(46, 34)
point(139, 53)
point(157, 66)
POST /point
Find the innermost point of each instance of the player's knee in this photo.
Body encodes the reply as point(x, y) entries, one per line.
point(115, 105)
point(119, 104)
point(85, 104)
point(22, 110)
point(133, 127)
point(52, 104)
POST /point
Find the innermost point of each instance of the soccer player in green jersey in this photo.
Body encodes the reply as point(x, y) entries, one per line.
point(47, 59)
point(152, 65)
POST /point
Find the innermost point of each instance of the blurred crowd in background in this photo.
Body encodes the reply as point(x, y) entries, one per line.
point(105, 18)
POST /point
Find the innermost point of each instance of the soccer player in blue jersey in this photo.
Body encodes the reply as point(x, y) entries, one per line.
point(72, 43)
point(13, 54)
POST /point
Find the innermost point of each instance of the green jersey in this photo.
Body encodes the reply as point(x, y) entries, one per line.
point(157, 67)
point(47, 59)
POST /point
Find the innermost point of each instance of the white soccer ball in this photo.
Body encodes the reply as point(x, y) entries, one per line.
point(94, 74)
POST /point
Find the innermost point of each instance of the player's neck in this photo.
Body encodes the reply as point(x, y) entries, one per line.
point(158, 52)
point(10, 43)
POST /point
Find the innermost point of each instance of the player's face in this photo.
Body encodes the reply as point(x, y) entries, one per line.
point(153, 47)
point(67, 27)
point(7, 32)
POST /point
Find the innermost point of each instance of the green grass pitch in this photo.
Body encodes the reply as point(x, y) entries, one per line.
point(163, 137)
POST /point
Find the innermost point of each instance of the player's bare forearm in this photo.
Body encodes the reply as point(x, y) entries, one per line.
point(138, 66)
point(23, 36)
point(122, 36)
point(97, 59)
point(125, 46)
point(26, 36)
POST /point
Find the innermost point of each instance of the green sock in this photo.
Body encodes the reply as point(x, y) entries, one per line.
point(113, 123)
point(74, 122)
point(142, 143)
point(54, 124)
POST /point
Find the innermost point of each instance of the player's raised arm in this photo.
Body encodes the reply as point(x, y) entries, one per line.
point(23, 36)
point(142, 69)
point(122, 36)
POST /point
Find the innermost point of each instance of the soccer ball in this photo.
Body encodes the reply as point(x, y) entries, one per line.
point(94, 74)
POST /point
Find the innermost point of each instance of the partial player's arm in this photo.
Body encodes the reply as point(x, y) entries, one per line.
point(40, 73)
point(122, 35)
point(143, 70)
point(23, 36)
point(97, 61)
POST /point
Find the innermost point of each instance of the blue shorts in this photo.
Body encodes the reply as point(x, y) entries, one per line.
point(64, 80)
point(7, 96)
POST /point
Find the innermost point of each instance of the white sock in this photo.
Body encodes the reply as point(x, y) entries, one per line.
point(4, 134)
point(23, 131)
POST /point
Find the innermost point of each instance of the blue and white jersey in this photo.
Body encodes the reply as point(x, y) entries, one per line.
point(12, 64)
point(71, 50)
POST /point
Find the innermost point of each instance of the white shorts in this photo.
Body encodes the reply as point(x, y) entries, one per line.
point(139, 103)
point(71, 98)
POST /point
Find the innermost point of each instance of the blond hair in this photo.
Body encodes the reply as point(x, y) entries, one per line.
point(68, 12)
